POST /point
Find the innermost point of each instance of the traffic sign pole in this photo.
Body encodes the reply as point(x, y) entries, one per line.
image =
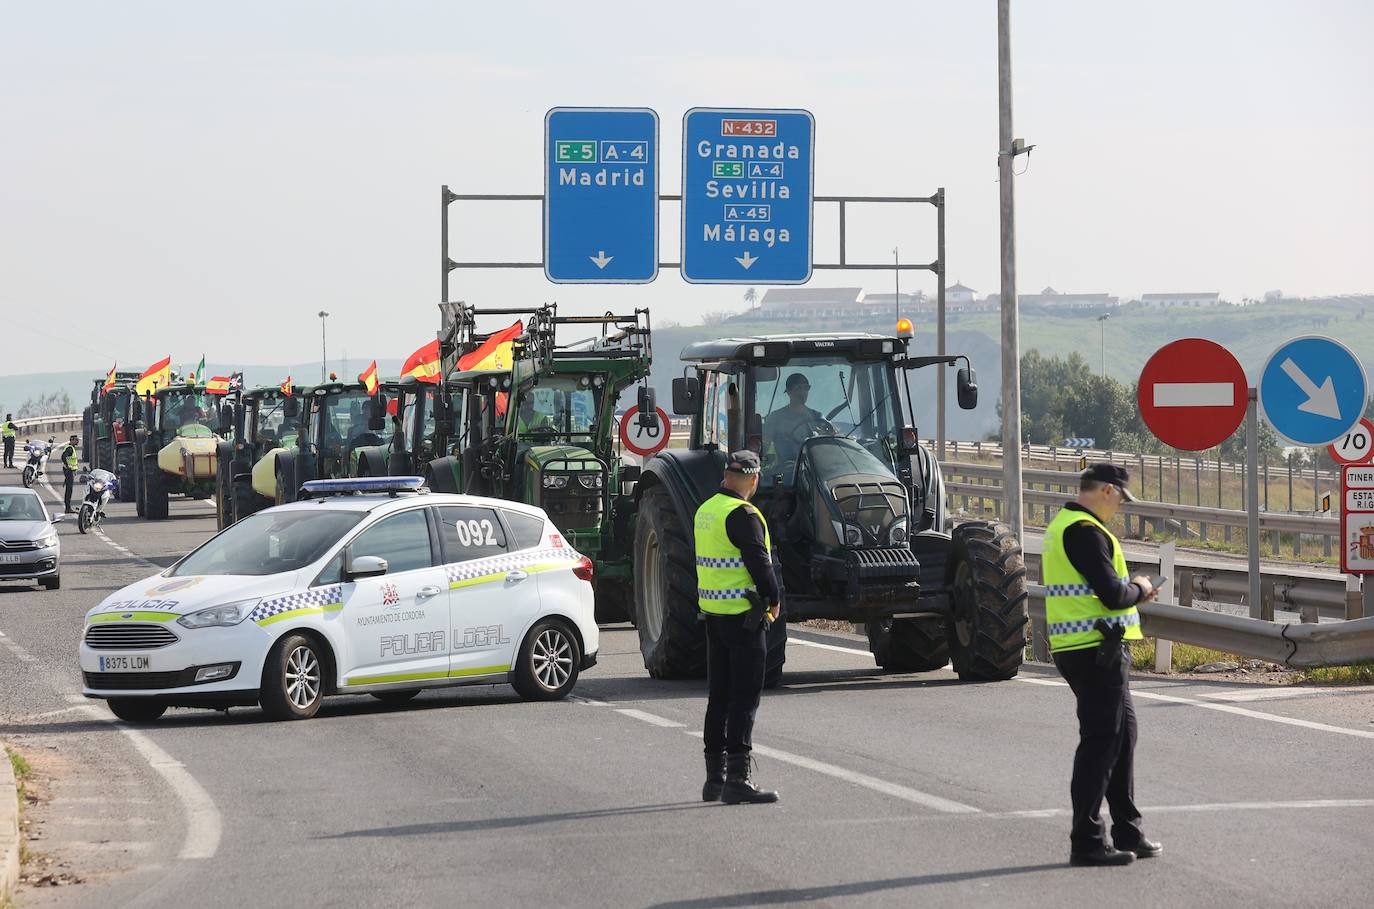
point(1252, 531)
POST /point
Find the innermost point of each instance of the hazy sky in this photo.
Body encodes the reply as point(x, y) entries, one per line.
point(185, 177)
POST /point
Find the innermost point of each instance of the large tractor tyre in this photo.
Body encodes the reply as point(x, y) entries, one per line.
point(243, 499)
point(125, 469)
point(987, 574)
point(909, 645)
point(614, 602)
point(671, 639)
point(224, 501)
point(140, 488)
point(777, 653)
point(154, 491)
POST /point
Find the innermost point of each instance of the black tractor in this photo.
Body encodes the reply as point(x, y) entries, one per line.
point(854, 504)
point(251, 424)
point(107, 429)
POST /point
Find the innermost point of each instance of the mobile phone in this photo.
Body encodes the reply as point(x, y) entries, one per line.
point(1157, 581)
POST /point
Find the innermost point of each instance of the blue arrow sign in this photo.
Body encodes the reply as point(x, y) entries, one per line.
point(1312, 390)
point(600, 195)
point(747, 181)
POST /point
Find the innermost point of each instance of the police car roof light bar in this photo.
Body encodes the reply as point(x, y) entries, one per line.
point(347, 486)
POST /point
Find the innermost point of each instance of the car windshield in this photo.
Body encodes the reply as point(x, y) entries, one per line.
point(557, 406)
point(269, 543)
point(820, 396)
point(21, 506)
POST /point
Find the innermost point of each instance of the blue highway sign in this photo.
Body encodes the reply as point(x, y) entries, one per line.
point(600, 195)
point(1313, 390)
point(747, 184)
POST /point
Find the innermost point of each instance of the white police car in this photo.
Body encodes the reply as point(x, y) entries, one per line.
point(368, 586)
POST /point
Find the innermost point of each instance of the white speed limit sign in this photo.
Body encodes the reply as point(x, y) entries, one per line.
point(1356, 446)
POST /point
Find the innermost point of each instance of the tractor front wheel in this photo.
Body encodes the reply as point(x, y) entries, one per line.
point(987, 575)
point(671, 639)
point(909, 645)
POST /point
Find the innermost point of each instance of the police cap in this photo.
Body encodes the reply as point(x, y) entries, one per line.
point(743, 461)
point(1112, 474)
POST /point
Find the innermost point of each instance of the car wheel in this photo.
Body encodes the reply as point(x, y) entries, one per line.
point(547, 667)
point(293, 679)
point(53, 582)
point(396, 697)
point(136, 710)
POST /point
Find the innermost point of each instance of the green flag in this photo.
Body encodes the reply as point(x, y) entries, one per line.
point(200, 371)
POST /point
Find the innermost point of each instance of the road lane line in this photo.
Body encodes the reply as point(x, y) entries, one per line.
point(1294, 804)
point(203, 823)
point(19, 652)
point(650, 718)
point(818, 645)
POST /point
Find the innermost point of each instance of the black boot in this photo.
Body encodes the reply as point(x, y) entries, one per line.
point(715, 777)
point(738, 787)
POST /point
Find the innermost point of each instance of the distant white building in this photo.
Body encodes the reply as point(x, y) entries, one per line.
point(808, 302)
point(1051, 298)
point(908, 302)
point(1164, 301)
point(957, 295)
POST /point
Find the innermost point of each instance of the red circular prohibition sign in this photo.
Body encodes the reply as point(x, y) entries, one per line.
point(1192, 394)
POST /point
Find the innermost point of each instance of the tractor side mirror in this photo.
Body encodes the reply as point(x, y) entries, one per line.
point(968, 388)
point(136, 410)
point(291, 408)
point(226, 419)
point(648, 406)
point(443, 409)
point(686, 395)
point(376, 413)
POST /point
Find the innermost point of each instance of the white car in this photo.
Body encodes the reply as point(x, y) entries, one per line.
point(369, 586)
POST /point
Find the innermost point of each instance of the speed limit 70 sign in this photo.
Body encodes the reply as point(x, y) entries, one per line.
point(1356, 446)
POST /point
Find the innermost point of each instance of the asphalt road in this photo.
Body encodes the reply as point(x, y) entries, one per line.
point(897, 790)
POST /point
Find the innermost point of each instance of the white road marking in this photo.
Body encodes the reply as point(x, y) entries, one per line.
point(1267, 694)
point(650, 718)
point(19, 652)
point(1195, 394)
point(819, 646)
point(1297, 804)
point(590, 702)
point(203, 823)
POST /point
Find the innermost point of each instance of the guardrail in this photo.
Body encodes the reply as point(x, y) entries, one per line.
point(1185, 520)
point(67, 422)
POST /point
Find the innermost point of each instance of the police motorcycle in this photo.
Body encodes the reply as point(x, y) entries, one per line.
point(101, 486)
point(38, 460)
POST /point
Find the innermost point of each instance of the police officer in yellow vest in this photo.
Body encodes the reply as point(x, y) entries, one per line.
point(1087, 593)
point(70, 462)
point(733, 566)
point(10, 431)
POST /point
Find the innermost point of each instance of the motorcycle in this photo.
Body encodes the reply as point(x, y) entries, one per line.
point(101, 486)
point(38, 460)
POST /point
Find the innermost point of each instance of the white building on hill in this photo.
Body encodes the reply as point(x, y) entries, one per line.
point(1163, 301)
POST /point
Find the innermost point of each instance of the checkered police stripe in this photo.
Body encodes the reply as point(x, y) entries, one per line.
point(1068, 590)
point(709, 562)
point(1079, 625)
point(735, 593)
point(317, 599)
point(478, 570)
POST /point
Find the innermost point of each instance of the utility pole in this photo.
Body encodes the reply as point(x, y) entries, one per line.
point(896, 289)
point(1011, 328)
point(940, 323)
point(324, 356)
point(1102, 326)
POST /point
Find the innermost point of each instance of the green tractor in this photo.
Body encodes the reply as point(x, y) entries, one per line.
point(174, 447)
point(254, 423)
point(544, 432)
point(414, 437)
point(334, 424)
point(855, 507)
point(108, 430)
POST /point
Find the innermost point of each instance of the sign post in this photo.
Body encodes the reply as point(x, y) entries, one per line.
point(1252, 529)
point(747, 188)
point(600, 195)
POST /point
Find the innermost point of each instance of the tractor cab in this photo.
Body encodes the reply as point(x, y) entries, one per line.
point(340, 420)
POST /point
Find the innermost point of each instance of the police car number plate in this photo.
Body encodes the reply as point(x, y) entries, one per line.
point(124, 663)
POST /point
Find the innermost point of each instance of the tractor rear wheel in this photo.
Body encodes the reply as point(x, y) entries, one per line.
point(126, 469)
point(244, 499)
point(909, 645)
point(614, 602)
point(154, 491)
point(987, 574)
point(671, 639)
point(224, 502)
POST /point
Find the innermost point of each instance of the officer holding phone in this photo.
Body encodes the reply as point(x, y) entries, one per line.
point(1090, 608)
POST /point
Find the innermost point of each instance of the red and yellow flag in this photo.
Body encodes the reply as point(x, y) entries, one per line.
point(154, 377)
point(110, 379)
point(424, 363)
point(369, 378)
point(494, 352)
point(286, 387)
point(217, 385)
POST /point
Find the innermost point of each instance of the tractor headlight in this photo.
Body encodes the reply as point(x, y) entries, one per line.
point(849, 534)
point(552, 481)
point(591, 481)
point(899, 533)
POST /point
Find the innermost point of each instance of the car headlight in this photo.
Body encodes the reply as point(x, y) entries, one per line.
point(899, 533)
point(219, 616)
point(552, 481)
point(591, 481)
point(47, 542)
point(849, 534)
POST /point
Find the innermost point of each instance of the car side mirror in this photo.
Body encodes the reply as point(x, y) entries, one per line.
point(57, 519)
point(648, 407)
point(968, 388)
point(686, 394)
point(291, 408)
point(363, 567)
point(376, 414)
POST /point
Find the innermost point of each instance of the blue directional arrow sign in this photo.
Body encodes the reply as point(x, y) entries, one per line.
point(747, 183)
point(600, 195)
point(1313, 390)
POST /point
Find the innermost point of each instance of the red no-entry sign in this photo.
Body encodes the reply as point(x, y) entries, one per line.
point(1192, 394)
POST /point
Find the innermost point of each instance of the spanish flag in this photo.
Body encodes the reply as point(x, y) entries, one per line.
point(159, 375)
point(494, 352)
point(109, 380)
point(369, 378)
point(286, 387)
point(424, 363)
point(217, 385)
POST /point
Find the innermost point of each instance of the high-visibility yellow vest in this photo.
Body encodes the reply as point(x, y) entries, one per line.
point(8, 429)
point(69, 459)
point(1071, 607)
point(722, 580)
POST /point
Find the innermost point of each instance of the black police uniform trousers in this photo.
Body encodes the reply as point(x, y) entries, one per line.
point(9, 451)
point(735, 661)
point(68, 478)
point(1103, 766)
